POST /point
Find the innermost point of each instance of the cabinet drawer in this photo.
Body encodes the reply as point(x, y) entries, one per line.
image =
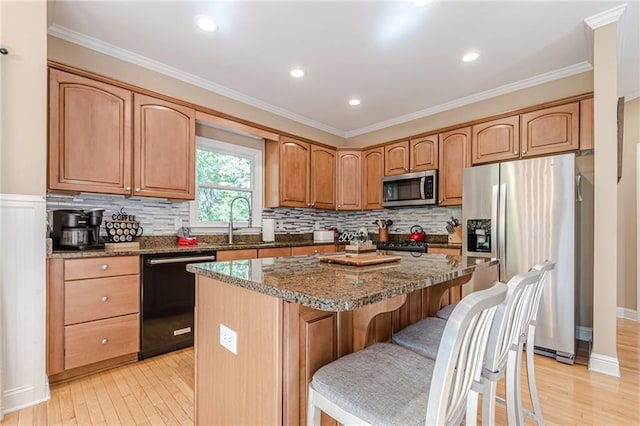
point(96, 341)
point(309, 250)
point(444, 250)
point(88, 300)
point(225, 255)
point(274, 252)
point(97, 267)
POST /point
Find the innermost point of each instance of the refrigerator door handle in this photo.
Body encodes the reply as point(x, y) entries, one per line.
point(502, 231)
point(578, 188)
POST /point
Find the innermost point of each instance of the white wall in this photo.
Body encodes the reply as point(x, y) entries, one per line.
point(22, 187)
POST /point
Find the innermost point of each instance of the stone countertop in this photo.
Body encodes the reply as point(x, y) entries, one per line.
point(173, 248)
point(331, 287)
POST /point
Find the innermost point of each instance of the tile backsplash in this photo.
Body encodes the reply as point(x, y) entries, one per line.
point(158, 216)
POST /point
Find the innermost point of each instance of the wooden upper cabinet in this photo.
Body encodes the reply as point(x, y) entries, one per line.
point(396, 158)
point(294, 173)
point(89, 135)
point(454, 149)
point(164, 149)
point(350, 180)
point(423, 153)
point(586, 124)
point(496, 140)
point(372, 174)
point(322, 183)
point(550, 130)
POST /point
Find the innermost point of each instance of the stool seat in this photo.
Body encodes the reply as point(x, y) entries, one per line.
point(445, 312)
point(387, 384)
point(422, 337)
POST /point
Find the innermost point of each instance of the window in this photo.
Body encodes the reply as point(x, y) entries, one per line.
point(223, 172)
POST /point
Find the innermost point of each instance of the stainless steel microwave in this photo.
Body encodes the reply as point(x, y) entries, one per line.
point(410, 189)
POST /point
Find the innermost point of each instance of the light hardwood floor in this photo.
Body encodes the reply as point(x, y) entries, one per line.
point(159, 391)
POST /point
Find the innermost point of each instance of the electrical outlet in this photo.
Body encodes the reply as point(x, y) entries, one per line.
point(229, 339)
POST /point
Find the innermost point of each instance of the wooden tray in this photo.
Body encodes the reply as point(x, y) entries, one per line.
point(373, 259)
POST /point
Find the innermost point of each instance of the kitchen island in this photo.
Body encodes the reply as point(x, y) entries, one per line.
point(293, 315)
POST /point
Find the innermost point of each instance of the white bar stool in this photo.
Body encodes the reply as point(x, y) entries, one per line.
point(389, 384)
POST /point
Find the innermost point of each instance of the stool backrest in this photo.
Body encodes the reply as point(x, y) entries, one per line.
point(461, 354)
point(544, 268)
point(510, 319)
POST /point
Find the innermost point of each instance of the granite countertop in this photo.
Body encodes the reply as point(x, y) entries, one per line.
point(173, 248)
point(155, 244)
point(331, 287)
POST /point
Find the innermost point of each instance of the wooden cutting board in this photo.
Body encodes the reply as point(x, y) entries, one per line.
point(373, 259)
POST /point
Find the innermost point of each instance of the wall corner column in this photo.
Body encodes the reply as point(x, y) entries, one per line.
point(604, 358)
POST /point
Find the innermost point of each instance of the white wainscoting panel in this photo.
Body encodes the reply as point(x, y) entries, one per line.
point(23, 300)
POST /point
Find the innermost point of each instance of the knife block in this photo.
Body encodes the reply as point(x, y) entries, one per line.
point(456, 236)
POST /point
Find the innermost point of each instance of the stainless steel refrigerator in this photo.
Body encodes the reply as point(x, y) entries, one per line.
point(528, 211)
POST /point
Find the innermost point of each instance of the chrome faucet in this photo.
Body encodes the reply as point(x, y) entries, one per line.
point(231, 216)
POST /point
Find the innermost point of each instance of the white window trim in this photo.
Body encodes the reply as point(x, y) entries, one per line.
point(257, 183)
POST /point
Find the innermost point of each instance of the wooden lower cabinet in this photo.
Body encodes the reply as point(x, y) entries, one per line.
point(280, 345)
point(93, 319)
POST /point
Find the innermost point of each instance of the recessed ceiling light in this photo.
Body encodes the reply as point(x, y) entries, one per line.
point(354, 102)
point(205, 23)
point(470, 57)
point(297, 73)
point(421, 3)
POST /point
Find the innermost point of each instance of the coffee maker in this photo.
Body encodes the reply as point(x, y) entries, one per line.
point(77, 229)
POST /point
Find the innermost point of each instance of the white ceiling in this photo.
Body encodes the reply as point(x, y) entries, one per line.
point(403, 62)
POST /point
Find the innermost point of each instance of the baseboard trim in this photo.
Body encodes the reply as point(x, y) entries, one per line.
point(627, 313)
point(584, 333)
point(604, 364)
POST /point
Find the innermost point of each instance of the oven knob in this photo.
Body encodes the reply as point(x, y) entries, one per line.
point(104, 267)
point(104, 299)
point(104, 341)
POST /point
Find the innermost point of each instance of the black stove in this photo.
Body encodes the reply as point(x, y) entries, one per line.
point(403, 246)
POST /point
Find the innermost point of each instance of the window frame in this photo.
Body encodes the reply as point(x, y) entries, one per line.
point(255, 156)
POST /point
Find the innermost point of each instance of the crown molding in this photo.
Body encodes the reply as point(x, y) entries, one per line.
point(502, 90)
point(604, 18)
point(127, 56)
point(142, 61)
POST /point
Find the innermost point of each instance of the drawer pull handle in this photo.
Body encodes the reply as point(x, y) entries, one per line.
point(104, 341)
point(104, 299)
point(104, 267)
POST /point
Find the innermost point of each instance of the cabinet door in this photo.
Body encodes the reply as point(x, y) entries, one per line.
point(372, 173)
point(323, 178)
point(396, 158)
point(349, 180)
point(164, 149)
point(550, 130)
point(89, 135)
point(496, 140)
point(454, 156)
point(310, 342)
point(294, 173)
point(423, 153)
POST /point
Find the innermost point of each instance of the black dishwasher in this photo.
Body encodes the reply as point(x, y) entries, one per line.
point(167, 301)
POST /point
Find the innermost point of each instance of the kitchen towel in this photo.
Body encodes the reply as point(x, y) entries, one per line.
point(268, 230)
